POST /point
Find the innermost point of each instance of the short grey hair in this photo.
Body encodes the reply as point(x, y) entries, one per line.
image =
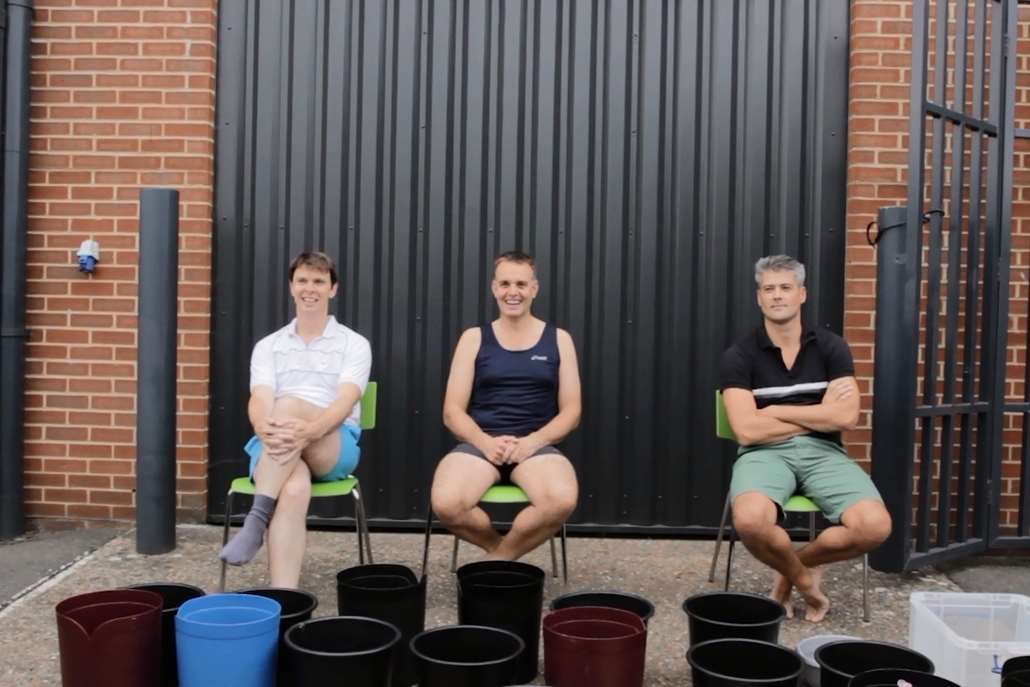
point(779, 263)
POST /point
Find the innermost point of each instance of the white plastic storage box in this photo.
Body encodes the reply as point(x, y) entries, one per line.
point(969, 636)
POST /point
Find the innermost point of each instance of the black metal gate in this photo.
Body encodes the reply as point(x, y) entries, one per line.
point(943, 294)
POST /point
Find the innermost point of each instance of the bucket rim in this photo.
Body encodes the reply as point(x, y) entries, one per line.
point(779, 619)
point(907, 673)
point(628, 617)
point(528, 569)
point(611, 592)
point(98, 597)
point(271, 607)
point(373, 568)
point(757, 681)
point(632, 631)
point(256, 591)
point(875, 642)
point(335, 618)
point(445, 628)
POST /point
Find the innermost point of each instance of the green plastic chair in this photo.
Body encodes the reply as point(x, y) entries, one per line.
point(798, 503)
point(348, 486)
point(500, 493)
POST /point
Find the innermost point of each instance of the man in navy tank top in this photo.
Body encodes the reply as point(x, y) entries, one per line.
point(513, 393)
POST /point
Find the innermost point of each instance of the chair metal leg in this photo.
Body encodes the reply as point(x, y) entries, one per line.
point(554, 559)
point(718, 539)
point(564, 556)
point(454, 556)
point(425, 546)
point(729, 560)
point(225, 537)
point(361, 525)
point(811, 526)
point(865, 587)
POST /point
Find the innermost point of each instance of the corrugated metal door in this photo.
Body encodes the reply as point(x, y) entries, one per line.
point(645, 152)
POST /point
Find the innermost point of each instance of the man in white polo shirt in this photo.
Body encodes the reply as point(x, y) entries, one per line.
point(305, 383)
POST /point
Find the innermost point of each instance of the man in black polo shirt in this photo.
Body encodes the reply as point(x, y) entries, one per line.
point(789, 390)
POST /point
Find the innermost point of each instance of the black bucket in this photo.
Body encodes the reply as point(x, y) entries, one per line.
point(621, 600)
point(174, 595)
point(347, 650)
point(888, 677)
point(839, 662)
point(508, 595)
point(297, 606)
point(466, 656)
point(732, 615)
point(1015, 672)
point(393, 594)
point(741, 662)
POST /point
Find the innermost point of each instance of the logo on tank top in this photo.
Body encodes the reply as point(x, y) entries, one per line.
point(538, 357)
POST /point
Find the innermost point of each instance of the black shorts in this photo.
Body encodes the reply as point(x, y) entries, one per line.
point(507, 468)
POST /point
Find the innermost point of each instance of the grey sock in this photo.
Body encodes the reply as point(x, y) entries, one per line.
point(246, 543)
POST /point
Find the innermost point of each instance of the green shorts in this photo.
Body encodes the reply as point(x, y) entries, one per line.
point(817, 468)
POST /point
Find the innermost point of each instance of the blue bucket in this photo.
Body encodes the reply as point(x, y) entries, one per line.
point(228, 640)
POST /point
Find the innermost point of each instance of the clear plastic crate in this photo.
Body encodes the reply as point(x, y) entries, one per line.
point(969, 636)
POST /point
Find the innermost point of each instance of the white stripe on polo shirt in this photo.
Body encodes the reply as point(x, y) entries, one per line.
point(783, 391)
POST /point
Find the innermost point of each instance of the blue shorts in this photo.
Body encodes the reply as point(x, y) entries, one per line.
point(350, 453)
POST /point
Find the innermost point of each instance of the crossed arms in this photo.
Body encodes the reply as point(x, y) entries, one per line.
point(837, 411)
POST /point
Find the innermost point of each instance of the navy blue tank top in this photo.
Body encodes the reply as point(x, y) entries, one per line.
point(515, 392)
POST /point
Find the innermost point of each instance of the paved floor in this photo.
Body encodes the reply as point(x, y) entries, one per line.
point(664, 571)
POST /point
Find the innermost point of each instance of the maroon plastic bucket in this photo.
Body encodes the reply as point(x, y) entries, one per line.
point(173, 595)
point(110, 638)
point(593, 646)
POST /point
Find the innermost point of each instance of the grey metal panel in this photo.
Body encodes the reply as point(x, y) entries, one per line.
point(646, 152)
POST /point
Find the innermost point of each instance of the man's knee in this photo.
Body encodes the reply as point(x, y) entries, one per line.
point(753, 514)
point(448, 504)
point(870, 525)
point(557, 505)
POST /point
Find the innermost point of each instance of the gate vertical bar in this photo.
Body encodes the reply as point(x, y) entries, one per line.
point(973, 290)
point(1003, 86)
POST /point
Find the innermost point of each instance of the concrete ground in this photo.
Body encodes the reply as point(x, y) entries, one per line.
point(664, 571)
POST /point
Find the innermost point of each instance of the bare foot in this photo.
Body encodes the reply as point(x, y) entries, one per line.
point(817, 602)
point(781, 594)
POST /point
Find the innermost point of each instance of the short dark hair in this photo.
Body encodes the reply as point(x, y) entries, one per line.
point(515, 256)
point(317, 261)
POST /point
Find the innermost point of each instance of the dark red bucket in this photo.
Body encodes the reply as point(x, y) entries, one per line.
point(594, 646)
point(110, 638)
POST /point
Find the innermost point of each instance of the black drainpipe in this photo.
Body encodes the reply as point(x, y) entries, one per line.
point(15, 70)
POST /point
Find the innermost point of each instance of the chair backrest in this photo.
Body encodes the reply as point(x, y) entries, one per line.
point(368, 406)
point(723, 430)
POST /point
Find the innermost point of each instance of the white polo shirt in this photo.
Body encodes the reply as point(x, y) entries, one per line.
point(312, 371)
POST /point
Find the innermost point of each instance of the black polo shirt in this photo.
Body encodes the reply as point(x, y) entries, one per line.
point(756, 364)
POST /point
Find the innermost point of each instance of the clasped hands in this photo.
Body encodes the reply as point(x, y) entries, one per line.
point(508, 449)
point(285, 438)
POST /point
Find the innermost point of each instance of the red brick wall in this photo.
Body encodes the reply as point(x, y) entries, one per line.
point(122, 98)
point(877, 171)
